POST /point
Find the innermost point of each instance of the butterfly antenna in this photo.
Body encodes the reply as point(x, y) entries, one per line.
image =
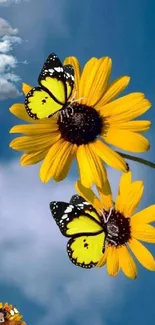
point(109, 215)
point(106, 219)
point(76, 100)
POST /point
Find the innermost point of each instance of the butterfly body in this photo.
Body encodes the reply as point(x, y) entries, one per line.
point(85, 227)
point(56, 83)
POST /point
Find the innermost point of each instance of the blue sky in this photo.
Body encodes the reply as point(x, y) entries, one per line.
point(35, 273)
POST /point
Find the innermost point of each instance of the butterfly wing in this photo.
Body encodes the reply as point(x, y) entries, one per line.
point(57, 79)
point(55, 88)
point(72, 221)
point(52, 79)
point(87, 236)
point(39, 104)
point(76, 199)
point(69, 79)
point(86, 251)
point(80, 202)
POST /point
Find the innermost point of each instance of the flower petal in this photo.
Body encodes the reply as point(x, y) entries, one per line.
point(126, 140)
point(126, 108)
point(33, 158)
point(113, 90)
point(26, 88)
point(103, 259)
point(105, 195)
point(125, 182)
point(127, 263)
point(147, 215)
point(19, 111)
point(108, 155)
point(34, 143)
point(143, 232)
point(112, 260)
point(36, 129)
point(91, 168)
point(96, 80)
point(128, 201)
point(58, 161)
point(86, 73)
point(77, 71)
point(142, 254)
point(88, 195)
point(134, 126)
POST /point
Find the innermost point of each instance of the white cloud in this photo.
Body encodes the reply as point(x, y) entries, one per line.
point(5, 46)
point(9, 2)
point(33, 253)
point(6, 29)
point(12, 39)
point(8, 89)
point(7, 41)
point(8, 62)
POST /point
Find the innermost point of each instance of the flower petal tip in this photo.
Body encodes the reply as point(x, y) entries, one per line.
point(11, 130)
point(26, 88)
point(10, 145)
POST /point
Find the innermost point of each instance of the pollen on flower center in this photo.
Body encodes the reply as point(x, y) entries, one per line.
point(79, 124)
point(117, 228)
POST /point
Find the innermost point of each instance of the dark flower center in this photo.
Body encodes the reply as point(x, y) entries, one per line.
point(117, 228)
point(79, 124)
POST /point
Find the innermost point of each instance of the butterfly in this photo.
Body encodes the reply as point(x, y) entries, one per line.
point(80, 221)
point(56, 83)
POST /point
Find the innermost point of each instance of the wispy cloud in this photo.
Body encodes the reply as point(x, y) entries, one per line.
point(8, 79)
point(33, 253)
point(9, 2)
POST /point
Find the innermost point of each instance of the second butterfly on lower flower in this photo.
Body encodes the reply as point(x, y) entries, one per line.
point(103, 232)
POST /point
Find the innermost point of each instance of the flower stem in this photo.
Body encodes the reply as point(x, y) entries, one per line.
point(137, 159)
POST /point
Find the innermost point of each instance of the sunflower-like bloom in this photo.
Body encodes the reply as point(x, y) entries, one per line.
point(84, 130)
point(124, 229)
point(9, 315)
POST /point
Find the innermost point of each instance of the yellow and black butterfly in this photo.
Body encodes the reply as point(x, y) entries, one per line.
point(56, 85)
point(80, 221)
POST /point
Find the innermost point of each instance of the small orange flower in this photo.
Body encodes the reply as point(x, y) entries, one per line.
point(9, 315)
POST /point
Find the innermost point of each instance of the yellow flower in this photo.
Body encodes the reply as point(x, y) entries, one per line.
point(124, 230)
point(82, 133)
point(9, 315)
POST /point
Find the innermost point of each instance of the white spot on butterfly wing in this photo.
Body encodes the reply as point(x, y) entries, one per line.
point(69, 209)
point(58, 69)
point(50, 70)
point(64, 216)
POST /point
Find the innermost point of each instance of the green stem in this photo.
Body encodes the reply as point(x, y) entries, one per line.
point(140, 160)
